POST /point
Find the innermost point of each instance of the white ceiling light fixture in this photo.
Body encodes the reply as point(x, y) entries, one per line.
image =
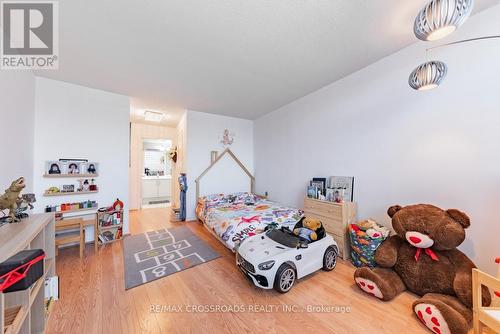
point(439, 18)
point(428, 75)
point(153, 116)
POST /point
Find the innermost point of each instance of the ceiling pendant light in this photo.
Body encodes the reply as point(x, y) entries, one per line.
point(428, 75)
point(440, 18)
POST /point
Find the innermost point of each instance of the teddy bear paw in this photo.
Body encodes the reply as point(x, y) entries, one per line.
point(369, 287)
point(431, 317)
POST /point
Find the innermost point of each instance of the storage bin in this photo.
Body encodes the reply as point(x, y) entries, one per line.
point(363, 247)
point(20, 271)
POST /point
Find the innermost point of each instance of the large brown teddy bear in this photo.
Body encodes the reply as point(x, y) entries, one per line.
point(422, 258)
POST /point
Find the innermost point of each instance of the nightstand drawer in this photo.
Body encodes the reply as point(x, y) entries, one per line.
point(331, 225)
point(324, 209)
point(335, 218)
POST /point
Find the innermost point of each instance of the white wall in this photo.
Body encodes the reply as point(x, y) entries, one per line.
point(203, 135)
point(78, 122)
point(17, 100)
point(402, 146)
point(139, 132)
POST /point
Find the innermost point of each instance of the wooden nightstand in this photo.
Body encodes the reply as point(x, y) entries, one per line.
point(335, 218)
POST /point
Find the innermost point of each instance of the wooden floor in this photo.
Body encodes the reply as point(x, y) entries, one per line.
point(94, 300)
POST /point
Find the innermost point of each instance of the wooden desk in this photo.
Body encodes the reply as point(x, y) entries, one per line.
point(77, 235)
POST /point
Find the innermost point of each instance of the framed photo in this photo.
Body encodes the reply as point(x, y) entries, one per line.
point(91, 168)
point(53, 167)
point(73, 167)
point(320, 179)
point(312, 191)
point(329, 194)
point(318, 185)
point(344, 186)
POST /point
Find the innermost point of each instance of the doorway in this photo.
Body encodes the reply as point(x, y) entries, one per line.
point(156, 180)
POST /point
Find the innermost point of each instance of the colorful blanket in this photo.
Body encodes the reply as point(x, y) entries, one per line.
point(237, 216)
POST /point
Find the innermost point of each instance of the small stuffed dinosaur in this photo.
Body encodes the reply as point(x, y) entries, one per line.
point(8, 201)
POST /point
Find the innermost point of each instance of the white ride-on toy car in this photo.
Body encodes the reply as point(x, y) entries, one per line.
point(277, 257)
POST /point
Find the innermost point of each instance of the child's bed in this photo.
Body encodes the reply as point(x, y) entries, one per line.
point(234, 217)
point(235, 212)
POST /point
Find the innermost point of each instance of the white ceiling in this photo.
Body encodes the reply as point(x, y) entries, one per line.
point(241, 58)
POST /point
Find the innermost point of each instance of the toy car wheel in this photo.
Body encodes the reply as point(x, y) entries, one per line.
point(329, 259)
point(285, 278)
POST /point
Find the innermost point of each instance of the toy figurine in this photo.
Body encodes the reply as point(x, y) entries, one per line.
point(25, 203)
point(8, 201)
point(227, 138)
point(118, 205)
point(172, 154)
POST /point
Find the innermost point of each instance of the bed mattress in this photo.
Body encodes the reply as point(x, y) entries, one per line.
point(235, 217)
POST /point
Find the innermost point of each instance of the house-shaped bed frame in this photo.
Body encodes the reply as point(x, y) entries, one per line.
point(240, 164)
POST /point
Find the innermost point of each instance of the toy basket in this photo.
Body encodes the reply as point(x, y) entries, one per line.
point(363, 247)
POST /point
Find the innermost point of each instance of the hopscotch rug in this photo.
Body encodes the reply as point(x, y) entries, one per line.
point(157, 254)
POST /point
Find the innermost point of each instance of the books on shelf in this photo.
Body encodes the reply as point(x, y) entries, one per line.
point(110, 235)
point(110, 219)
point(110, 225)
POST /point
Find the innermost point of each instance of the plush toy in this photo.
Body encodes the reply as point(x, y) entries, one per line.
point(365, 225)
point(308, 229)
point(422, 258)
point(377, 232)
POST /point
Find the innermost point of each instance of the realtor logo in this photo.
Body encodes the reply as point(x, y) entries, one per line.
point(30, 38)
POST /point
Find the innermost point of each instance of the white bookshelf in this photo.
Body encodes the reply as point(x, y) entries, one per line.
point(24, 311)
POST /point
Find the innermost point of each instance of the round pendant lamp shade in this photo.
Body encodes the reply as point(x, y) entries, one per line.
point(440, 18)
point(428, 75)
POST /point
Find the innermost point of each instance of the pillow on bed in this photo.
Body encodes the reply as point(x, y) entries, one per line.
point(244, 198)
point(214, 200)
point(236, 198)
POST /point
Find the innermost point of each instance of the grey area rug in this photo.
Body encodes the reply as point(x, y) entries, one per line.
point(157, 254)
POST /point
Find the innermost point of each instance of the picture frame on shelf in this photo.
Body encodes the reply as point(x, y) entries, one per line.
point(92, 168)
point(329, 194)
point(74, 167)
point(53, 167)
point(344, 185)
point(71, 167)
point(320, 185)
point(322, 180)
point(312, 191)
